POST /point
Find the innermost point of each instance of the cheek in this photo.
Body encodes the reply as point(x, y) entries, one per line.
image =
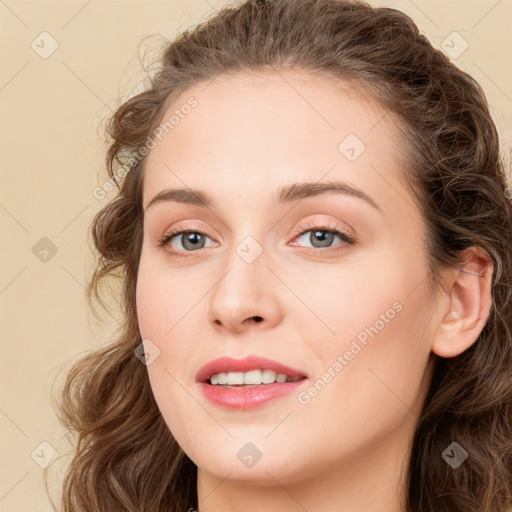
point(157, 303)
point(367, 391)
point(364, 293)
point(159, 312)
point(165, 312)
point(379, 347)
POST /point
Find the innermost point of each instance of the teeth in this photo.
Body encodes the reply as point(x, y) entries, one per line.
point(252, 377)
point(235, 378)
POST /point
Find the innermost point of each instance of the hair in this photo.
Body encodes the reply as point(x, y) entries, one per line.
point(126, 457)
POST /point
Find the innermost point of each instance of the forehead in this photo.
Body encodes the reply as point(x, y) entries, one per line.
point(254, 133)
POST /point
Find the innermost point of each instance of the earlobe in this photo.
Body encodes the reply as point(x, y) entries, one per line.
point(466, 305)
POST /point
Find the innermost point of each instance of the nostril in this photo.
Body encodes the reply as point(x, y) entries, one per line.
point(258, 319)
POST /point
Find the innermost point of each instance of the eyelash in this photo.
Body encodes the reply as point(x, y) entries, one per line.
point(324, 226)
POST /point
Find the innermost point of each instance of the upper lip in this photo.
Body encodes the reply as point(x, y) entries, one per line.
point(252, 362)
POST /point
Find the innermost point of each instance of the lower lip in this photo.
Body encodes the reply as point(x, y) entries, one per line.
point(247, 398)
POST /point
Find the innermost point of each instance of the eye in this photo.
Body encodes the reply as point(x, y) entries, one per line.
point(322, 237)
point(191, 239)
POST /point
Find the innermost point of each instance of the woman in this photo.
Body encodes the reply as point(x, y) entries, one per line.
point(313, 232)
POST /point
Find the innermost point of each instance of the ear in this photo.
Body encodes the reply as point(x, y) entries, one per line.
point(465, 304)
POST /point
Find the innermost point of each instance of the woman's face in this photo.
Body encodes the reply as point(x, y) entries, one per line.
point(354, 318)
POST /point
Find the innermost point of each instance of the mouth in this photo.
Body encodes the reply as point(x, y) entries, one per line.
point(248, 372)
point(247, 384)
point(251, 378)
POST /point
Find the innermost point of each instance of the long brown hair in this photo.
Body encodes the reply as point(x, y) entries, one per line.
point(125, 456)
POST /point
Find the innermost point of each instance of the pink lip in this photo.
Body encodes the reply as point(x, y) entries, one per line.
point(244, 398)
point(247, 398)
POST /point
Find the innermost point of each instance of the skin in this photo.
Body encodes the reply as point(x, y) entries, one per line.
point(347, 448)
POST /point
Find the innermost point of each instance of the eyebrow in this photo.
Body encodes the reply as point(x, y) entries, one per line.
point(283, 195)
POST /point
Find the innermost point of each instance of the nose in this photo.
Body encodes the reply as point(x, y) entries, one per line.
point(245, 296)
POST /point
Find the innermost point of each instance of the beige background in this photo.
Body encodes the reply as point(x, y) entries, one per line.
point(52, 159)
